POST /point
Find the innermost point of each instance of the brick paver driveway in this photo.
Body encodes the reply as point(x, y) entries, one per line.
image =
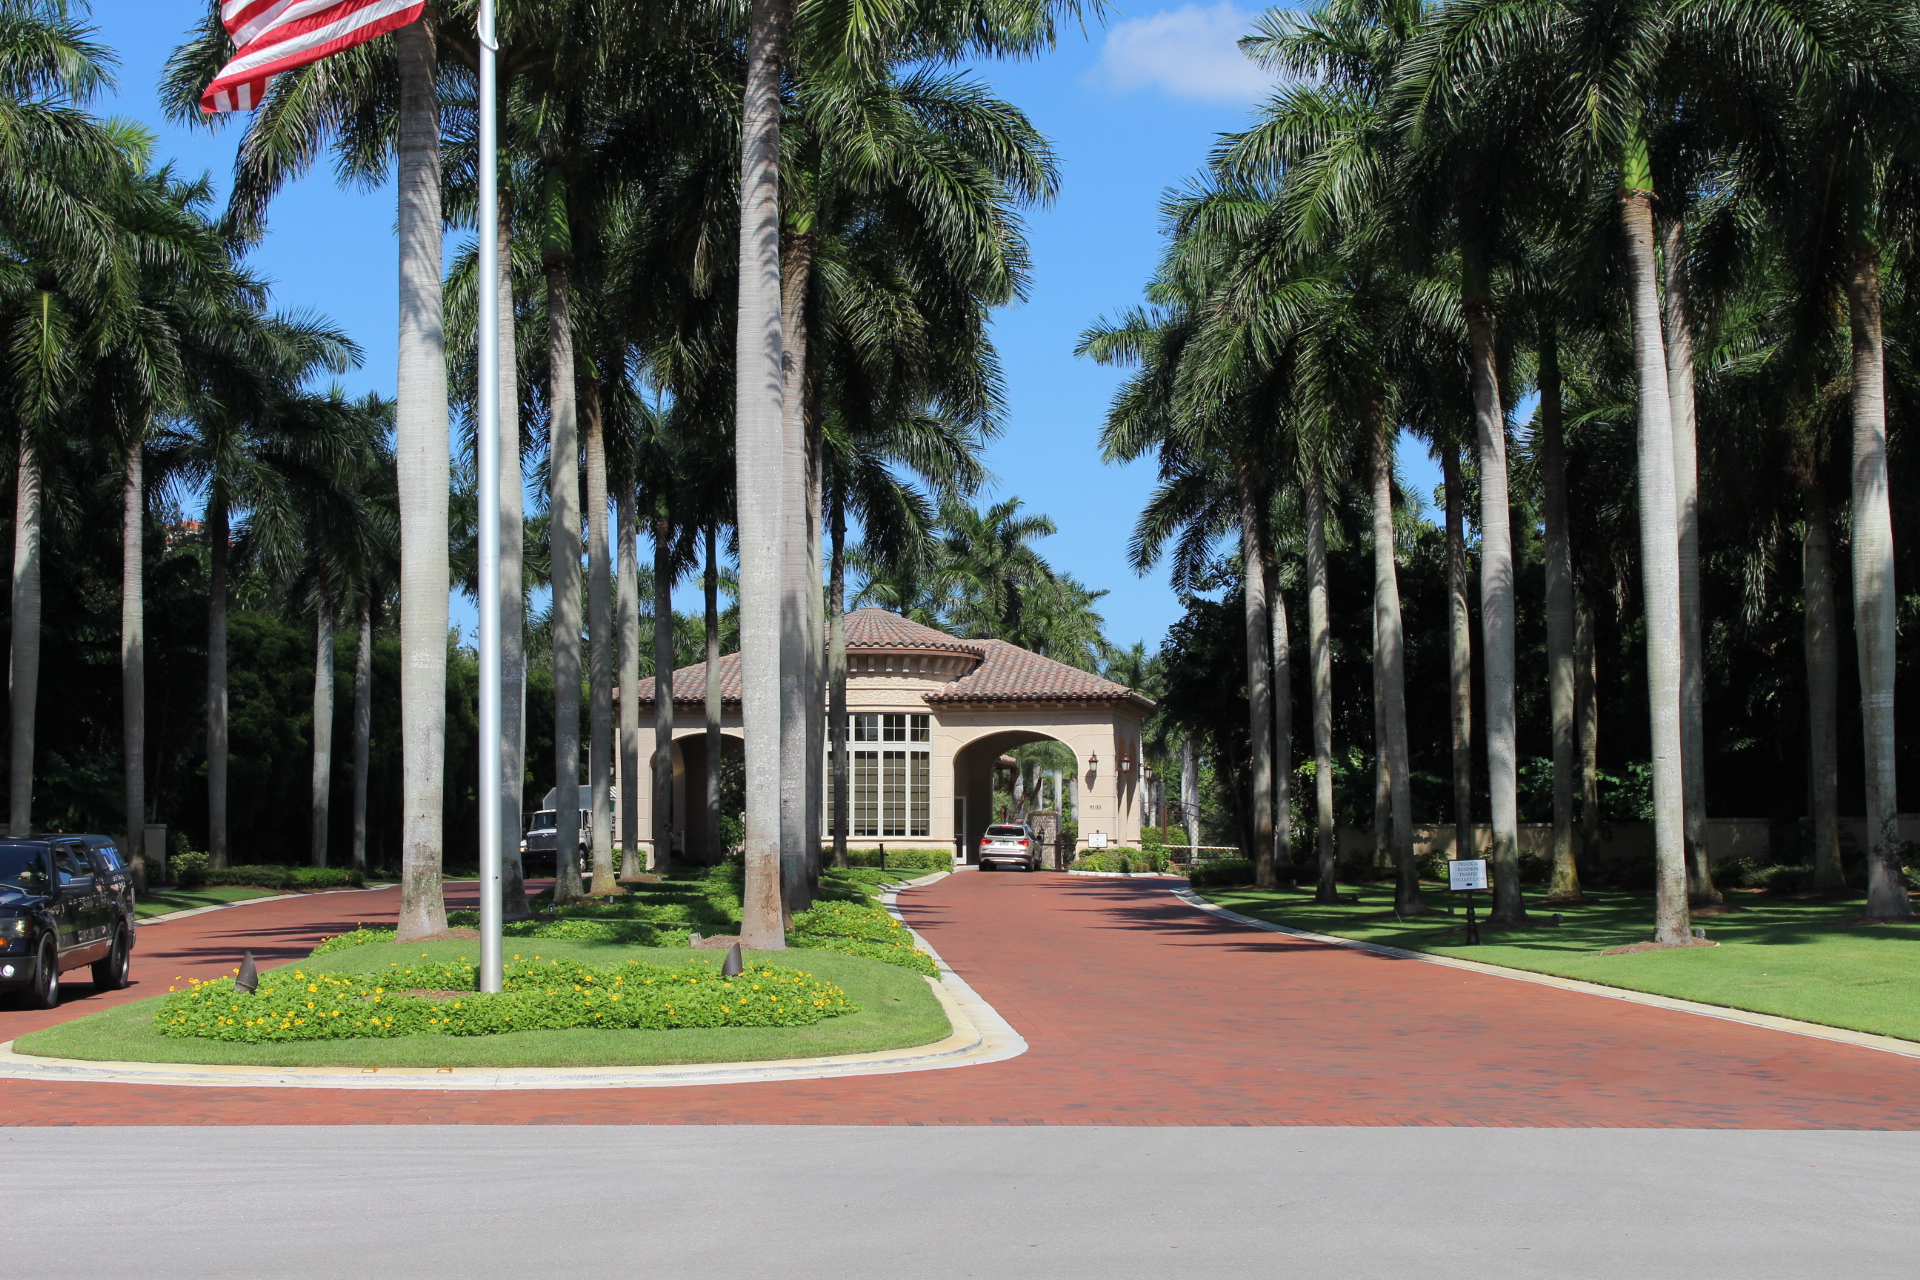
point(1139, 1010)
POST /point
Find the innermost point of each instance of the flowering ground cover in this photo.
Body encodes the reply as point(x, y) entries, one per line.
point(1788, 957)
point(892, 1008)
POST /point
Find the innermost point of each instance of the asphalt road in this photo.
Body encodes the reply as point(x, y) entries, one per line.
point(847, 1203)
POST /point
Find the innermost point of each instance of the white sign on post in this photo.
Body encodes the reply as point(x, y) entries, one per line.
point(1467, 873)
point(1096, 840)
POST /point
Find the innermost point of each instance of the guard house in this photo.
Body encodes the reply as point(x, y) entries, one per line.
point(929, 716)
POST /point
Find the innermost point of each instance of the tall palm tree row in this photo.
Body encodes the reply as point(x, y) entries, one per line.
point(1442, 210)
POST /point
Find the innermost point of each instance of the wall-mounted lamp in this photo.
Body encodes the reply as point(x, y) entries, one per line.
point(1125, 764)
point(1146, 771)
point(1093, 760)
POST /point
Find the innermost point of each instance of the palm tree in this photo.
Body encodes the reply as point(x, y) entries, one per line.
point(393, 81)
point(54, 163)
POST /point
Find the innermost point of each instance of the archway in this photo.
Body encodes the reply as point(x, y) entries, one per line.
point(689, 821)
point(973, 790)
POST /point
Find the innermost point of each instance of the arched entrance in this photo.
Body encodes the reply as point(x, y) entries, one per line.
point(689, 794)
point(974, 766)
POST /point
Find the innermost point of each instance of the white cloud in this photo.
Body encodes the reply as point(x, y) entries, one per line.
point(1189, 52)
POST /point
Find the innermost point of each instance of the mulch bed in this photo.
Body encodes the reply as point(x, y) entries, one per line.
point(462, 934)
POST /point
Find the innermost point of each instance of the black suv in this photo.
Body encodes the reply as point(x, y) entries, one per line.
point(65, 901)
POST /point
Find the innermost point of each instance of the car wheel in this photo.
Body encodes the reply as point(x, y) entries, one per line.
point(115, 972)
point(45, 991)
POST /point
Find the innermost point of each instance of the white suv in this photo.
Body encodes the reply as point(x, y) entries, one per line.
point(1009, 844)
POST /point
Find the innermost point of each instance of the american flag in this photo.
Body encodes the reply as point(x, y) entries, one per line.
point(271, 36)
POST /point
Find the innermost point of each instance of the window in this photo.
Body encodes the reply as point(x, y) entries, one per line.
point(892, 792)
point(72, 864)
point(889, 727)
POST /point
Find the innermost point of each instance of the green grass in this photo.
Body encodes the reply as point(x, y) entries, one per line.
point(1790, 958)
point(161, 902)
point(897, 1010)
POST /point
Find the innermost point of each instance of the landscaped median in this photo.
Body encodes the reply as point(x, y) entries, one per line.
point(1789, 957)
point(606, 982)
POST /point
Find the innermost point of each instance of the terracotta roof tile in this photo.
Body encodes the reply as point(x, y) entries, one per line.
point(881, 629)
point(1013, 674)
point(690, 683)
point(1007, 673)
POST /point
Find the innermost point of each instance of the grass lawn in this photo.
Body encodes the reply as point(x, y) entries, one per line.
point(161, 902)
point(1790, 958)
point(897, 1010)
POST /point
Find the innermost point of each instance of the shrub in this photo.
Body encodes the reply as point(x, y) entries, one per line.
point(296, 1004)
point(360, 936)
point(1124, 860)
point(1780, 879)
point(903, 859)
point(1153, 837)
point(1231, 871)
point(189, 870)
point(852, 929)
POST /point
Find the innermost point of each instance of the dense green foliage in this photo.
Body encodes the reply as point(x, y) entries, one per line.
point(298, 1004)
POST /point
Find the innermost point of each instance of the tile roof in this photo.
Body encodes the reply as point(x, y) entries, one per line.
point(1006, 673)
point(881, 629)
point(690, 683)
point(1013, 674)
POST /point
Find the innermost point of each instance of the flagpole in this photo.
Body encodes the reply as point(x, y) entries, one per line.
point(486, 430)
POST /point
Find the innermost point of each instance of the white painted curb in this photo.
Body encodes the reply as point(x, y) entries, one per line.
point(1792, 1026)
point(980, 1035)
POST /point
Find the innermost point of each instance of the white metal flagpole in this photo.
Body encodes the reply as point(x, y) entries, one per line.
point(486, 431)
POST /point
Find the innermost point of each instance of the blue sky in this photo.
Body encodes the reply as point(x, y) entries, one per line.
point(1132, 108)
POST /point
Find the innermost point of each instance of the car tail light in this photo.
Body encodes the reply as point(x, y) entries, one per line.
point(1025, 843)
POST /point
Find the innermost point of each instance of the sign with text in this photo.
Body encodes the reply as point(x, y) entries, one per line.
point(1096, 839)
point(1467, 873)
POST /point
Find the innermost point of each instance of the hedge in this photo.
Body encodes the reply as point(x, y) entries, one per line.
point(297, 878)
point(903, 859)
point(190, 871)
point(297, 1004)
point(1124, 860)
point(1232, 871)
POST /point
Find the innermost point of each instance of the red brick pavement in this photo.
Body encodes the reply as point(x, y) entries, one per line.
point(1138, 1010)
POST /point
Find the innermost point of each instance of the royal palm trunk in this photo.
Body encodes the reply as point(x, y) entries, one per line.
point(629, 627)
point(1660, 566)
point(1586, 717)
point(601, 645)
point(133, 644)
point(759, 456)
point(799, 846)
point(512, 589)
point(1258, 629)
point(1320, 657)
point(421, 446)
point(217, 552)
point(1496, 611)
point(837, 682)
point(563, 466)
point(362, 733)
point(1282, 732)
point(1874, 602)
point(322, 733)
point(23, 670)
point(715, 747)
point(662, 831)
point(1565, 886)
point(1677, 329)
point(1390, 647)
point(1459, 653)
point(1821, 633)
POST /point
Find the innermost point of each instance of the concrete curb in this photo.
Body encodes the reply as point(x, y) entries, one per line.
point(1792, 1026)
point(980, 1035)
